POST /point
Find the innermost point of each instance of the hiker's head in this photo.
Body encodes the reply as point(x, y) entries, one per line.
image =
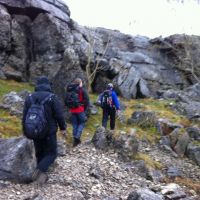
point(43, 84)
point(78, 81)
point(110, 86)
point(43, 80)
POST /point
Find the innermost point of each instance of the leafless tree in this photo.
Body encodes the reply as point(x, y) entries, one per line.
point(91, 70)
point(186, 57)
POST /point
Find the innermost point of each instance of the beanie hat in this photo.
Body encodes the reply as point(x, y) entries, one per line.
point(110, 86)
point(43, 80)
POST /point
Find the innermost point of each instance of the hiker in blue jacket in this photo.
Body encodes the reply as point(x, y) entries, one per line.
point(110, 105)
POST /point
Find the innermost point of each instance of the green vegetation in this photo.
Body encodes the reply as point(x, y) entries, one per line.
point(160, 107)
point(196, 143)
point(148, 161)
point(10, 125)
point(8, 86)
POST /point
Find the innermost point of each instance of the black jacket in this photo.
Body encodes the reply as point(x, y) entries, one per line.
point(85, 101)
point(53, 107)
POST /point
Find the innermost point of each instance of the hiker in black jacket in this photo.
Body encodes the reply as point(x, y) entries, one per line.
point(46, 148)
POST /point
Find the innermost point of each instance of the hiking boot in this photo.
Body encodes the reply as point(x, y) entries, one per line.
point(76, 142)
point(35, 174)
point(41, 179)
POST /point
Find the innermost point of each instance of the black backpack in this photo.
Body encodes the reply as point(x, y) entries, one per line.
point(36, 124)
point(106, 100)
point(72, 99)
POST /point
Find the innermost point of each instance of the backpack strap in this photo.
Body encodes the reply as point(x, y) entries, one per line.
point(46, 99)
point(31, 99)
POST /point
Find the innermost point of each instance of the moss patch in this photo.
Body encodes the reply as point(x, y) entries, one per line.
point(7, 86)
point(148, 161)
point(9, 125)
point(160, 107)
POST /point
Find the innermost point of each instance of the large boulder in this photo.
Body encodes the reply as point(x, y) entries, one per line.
point(126, 144)
point(102, 138)
point(17, 159)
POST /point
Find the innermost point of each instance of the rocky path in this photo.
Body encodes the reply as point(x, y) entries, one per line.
point(87, 173)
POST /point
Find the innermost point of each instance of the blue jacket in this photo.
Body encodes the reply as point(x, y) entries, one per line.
point(114, 99)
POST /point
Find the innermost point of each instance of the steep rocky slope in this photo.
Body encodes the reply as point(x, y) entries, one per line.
point(87, 173)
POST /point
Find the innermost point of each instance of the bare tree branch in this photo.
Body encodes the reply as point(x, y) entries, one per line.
point(91, 73)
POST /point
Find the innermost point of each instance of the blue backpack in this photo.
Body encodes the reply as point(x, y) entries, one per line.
point(36, 124)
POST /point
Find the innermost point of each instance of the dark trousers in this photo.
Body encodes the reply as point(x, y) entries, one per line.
point(78, 123)
point(46, 152)
point(106, 114)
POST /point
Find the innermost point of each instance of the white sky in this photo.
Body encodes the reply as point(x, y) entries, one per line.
point(150, 18)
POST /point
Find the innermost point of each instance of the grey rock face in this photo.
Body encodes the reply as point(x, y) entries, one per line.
point(187, 102)
point(193, 152)
point(14, 102)
point(194, 91)
point(17, 159)
point(56, 8)
point(144, 194)
point(131, 85)
point(5, 38)
point(194, 132)
point(37, 35)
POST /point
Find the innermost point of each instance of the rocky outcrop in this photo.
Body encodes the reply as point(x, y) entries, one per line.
point(39, 37)
point(56, 8)
point(193, 152)
point(125, 144)
point(14, 102)
point(17, 159)
point(186, 101)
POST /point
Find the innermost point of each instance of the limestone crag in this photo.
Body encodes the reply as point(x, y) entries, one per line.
point(39, 37)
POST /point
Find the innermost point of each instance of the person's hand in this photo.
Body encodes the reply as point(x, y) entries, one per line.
point(64, 133)
point(118, 112)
